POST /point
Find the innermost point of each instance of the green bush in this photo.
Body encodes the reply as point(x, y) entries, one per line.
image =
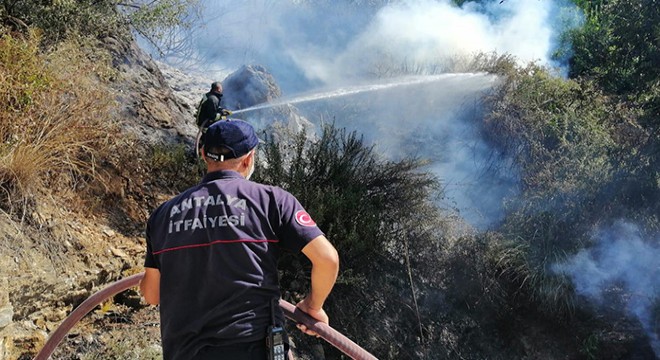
point(616, 46)
point(379, 215)
point(175, 167)
point(357, 198)
point(586, 150)
point(568, 142)
point(60, 19)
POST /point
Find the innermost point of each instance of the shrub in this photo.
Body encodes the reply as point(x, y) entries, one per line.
point(560, 134)
point(59, 19)
point(357, 198)
point(157, 21)
point(380, 216)
point(584, 160)
point(175, 167)
point(615, 46)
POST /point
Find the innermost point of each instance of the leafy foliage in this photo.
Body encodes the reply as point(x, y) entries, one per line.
point(156, 21)
point(357, 199)
point(618, 45)
point(618, 49)
point(559, 132)
point(587, 152)
point(174, 167)
point(379, 216)
point(568, 140)
point(163, 23)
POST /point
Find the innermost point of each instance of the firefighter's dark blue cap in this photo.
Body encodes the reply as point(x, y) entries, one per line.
point(235, 135)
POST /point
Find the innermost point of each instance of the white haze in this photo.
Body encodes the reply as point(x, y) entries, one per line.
point(329, 42)
point(620, 259)
point(313, 46)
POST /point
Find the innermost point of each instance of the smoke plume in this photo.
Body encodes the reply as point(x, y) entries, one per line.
point(313, 46)
point(620, 257)
point(317, 43)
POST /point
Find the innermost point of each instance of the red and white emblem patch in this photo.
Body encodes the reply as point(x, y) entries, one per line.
point(303, 218)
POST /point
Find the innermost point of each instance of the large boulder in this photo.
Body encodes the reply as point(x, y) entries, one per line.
point(248, 86)
point(253, 93)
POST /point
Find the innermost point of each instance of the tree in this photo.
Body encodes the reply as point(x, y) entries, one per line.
point(158, 21)
point(165, 24)
point(618, 45)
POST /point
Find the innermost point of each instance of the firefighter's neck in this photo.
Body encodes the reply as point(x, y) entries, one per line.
point(243, 165)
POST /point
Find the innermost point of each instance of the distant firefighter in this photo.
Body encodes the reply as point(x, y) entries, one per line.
point(209, 109)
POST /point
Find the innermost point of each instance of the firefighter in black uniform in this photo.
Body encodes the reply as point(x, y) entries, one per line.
point(209, 111)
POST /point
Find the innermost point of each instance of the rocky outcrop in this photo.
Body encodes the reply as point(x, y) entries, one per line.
point(253, 86)
point(248, 86)
point(52, 258)
point(188, 87)
point(145, 97)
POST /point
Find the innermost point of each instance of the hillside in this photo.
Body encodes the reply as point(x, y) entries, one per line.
point(65, 245)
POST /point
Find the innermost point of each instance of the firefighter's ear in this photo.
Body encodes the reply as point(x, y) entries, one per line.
point(248, 159)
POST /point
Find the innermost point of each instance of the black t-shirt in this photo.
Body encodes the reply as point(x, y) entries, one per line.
point(208, 108)
point(216, 246)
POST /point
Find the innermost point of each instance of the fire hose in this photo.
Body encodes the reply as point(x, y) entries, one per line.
point(327, 333)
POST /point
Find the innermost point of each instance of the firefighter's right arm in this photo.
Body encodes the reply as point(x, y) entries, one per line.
point(325, 267)
point(150, 286)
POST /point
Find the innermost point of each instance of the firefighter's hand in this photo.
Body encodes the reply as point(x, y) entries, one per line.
point(318, 314)
point(225, 112)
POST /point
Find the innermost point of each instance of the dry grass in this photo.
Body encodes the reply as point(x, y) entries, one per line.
point(53, 121)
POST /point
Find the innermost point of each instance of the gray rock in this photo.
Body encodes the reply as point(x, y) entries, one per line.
point(248, 86)
point(6, 315)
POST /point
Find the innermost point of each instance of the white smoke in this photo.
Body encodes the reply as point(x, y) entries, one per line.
point(307, 44)
point(312, 45)
point(423, 32)
point(620, 257)
point(434, 121)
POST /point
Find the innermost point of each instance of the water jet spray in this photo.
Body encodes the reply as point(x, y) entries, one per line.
point(352, 90)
